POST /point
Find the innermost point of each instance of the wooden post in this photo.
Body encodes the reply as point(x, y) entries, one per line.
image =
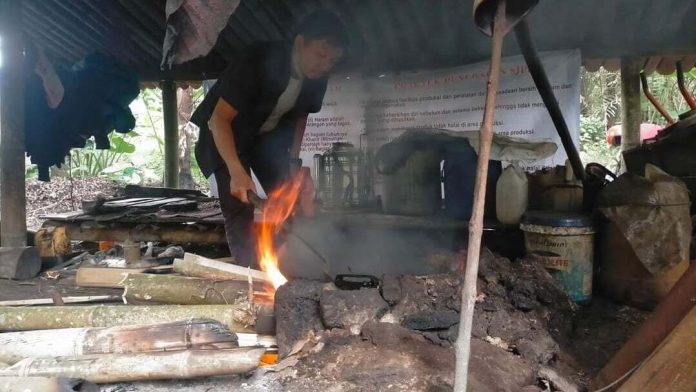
point(16, 260)
point(476, 223)
point(171, 133)
point(630, 103)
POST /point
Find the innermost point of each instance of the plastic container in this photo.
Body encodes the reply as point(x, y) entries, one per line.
point(415, 187)
point(459, 176)
point(564, 244)
point(511, 195)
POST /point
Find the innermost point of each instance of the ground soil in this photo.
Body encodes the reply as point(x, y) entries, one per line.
point(62, 195)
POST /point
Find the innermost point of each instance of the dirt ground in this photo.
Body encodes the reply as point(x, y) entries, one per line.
point(62, 195)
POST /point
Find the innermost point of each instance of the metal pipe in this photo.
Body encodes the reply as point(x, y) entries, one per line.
point(682, 87)
point(536, 69)
point(463, 344)
point(171, 133)
point(653, 100)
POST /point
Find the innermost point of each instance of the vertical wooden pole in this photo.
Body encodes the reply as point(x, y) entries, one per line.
point(476, 223)
point(630, 103)
point(171, 133)
point(13, 200)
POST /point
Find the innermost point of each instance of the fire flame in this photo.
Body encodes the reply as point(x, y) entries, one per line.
point(278, 208)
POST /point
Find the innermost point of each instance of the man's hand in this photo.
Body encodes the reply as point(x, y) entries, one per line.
point(240, 183)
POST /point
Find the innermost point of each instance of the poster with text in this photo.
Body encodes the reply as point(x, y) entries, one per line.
point(369, 112)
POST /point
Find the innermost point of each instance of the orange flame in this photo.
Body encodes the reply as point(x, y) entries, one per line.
point(278, 208)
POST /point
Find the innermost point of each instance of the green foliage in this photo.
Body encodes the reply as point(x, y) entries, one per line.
point(114, 163)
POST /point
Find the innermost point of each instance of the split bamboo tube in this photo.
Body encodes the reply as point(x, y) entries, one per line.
point(75, 342)
point(109, 368)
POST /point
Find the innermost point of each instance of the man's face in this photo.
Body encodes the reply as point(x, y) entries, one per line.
point(318, 57)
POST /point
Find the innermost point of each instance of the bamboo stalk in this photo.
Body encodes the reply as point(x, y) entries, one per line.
point(68, 342)
point(175, 289)
point(476, 223)
point(110, 368)
point(198, 266)
point(103, 277)
point(66, 300)
point(236, 317)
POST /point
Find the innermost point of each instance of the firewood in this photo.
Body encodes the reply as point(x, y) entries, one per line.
point(112, 368)
point(66, 300)
point(194, 265)
point(103, 277)
point(175, 289)
point(236, 317)
point(181, 335)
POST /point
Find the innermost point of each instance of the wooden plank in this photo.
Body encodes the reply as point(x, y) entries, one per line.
point(199, 266)
point(103, 277)
point(672, 366)
point(66, 300)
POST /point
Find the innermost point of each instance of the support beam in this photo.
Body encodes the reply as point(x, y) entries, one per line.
point(630, 103)
point(17, 261)
point(171, 134)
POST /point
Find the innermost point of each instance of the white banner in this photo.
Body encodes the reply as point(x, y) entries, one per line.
point(380, 108)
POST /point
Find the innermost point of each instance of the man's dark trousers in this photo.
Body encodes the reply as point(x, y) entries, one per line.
point(269, 158)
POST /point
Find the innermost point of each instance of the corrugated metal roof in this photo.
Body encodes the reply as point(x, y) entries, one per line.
point(388, 35)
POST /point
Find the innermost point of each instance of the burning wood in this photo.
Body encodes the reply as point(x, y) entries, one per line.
point(275, 212)
point(237, 317)
point(181, 335)
point(107, 368)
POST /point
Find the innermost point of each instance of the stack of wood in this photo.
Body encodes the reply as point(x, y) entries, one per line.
point(195, 328)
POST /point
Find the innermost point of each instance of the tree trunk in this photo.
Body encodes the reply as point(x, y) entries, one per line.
point(181, 335)
point(111, 368)
point(235, 317)
point(175, 289)
point(185, 138)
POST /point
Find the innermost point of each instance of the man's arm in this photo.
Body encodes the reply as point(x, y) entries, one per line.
point(300, 126)
point(220, 125)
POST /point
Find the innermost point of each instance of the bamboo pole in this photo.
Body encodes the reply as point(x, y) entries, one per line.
point(175, 289)
point(236, 317)
point(66, 300)
point(198, 266)
point(476, 223)
point(181, 335)
point(110, 368)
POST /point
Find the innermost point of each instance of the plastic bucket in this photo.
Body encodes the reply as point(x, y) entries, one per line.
point(563, 243)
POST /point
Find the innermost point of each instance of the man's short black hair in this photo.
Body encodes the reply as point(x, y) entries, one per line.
point(324, 24)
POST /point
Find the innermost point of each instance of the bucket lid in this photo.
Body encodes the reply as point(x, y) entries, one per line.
point(556, 219)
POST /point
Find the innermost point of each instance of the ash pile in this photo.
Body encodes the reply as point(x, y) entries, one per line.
point(401, 335)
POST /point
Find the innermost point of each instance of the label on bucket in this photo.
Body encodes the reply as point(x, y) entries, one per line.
point(551, 260)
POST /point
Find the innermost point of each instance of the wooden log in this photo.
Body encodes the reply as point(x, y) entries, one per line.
point(237, 317)
point(39, 384)
point(66, 300)
point(194, 265)
point(103, 277)
point(111, 368)
point(174, 289)
point(181, 335)
point(672, 366)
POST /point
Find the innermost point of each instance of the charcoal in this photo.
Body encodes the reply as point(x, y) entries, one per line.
point(346, 308)
point(429, 320)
